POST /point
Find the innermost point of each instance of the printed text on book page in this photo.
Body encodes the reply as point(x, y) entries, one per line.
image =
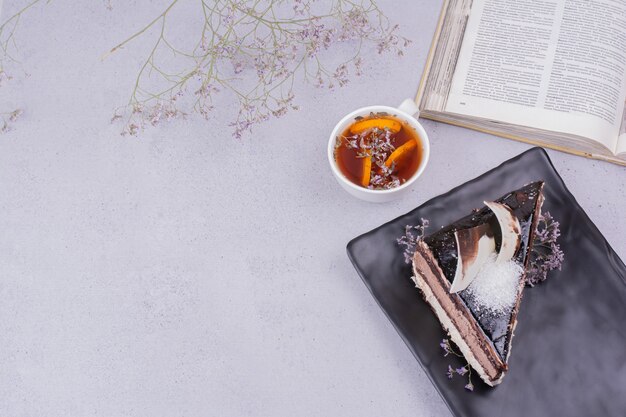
point(558, 65)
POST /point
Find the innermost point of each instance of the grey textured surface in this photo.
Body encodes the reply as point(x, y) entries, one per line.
point(163, 276)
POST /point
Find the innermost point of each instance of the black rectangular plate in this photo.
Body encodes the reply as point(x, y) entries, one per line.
point(569, 351)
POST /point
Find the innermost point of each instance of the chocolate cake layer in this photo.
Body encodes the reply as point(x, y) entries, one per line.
point(455, 317)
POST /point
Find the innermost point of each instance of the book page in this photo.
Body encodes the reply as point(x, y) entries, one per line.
point(557, 65)
point(442, 57)
point(621, 143)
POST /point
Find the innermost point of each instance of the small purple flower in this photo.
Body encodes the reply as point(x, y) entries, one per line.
point(461, 371)
point(444, 346)
point(15, 115)
point(412, 235)
point(546, 254)
point(450, 372)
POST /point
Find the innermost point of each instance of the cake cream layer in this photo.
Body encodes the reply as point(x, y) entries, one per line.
point(456, 318)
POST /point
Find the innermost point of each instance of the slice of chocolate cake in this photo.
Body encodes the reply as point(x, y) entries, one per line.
point(472, 273)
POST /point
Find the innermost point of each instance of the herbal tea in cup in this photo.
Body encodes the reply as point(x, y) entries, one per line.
point(378, 151)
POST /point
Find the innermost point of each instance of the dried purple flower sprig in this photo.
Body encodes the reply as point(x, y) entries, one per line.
point(280, 42)
point(446, 345)
point(547, 254)
point(8, 28)
point(8, 119)
point(412, 235)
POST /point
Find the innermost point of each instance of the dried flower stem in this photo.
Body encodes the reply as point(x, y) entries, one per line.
point(412, 235)
point(8, 29)
point(8, 118)
point(7, 32)
point(278, 40)
point(446, 345)
point(547, 254)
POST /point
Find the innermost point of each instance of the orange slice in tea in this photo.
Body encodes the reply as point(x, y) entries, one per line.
point(367, 171)
point(400, 152)
point(363, 125)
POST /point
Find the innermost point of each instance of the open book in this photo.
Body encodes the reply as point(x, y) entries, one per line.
point(547, 72)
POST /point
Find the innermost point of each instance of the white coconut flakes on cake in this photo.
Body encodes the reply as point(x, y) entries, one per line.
point(495, 286)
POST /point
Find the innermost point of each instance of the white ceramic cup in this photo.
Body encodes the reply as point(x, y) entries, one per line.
point(407, 112)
